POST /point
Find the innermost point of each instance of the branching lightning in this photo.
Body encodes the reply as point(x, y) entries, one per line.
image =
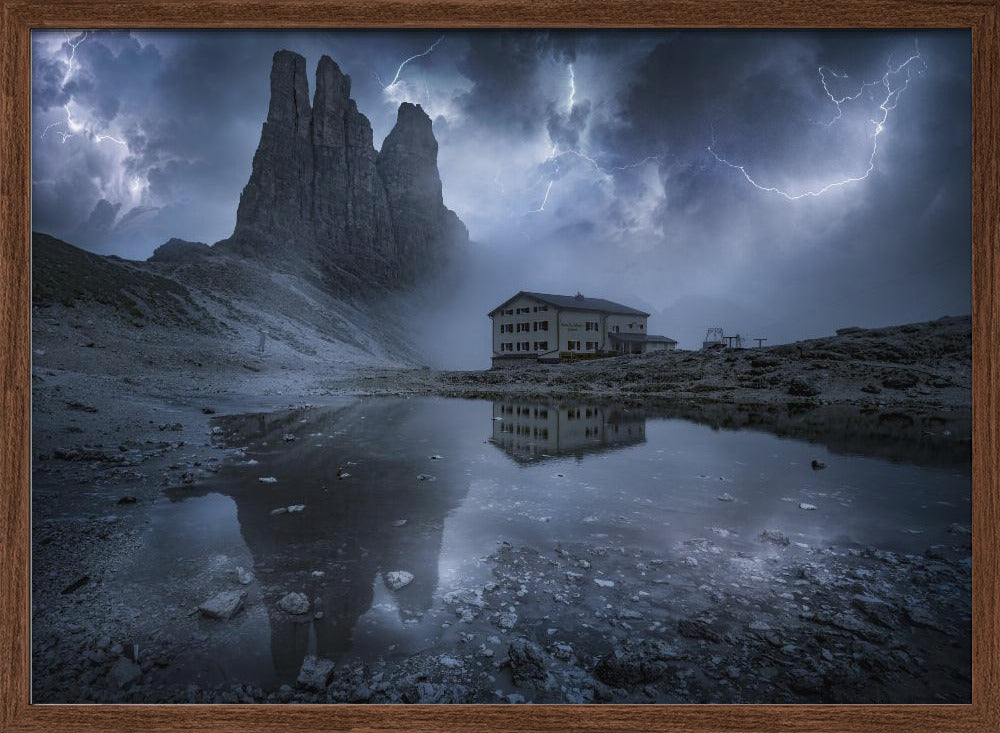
point(399, 70)
point(890, 99)
point(555, 154)
point(72, 127)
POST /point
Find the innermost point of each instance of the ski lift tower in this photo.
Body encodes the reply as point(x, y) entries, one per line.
point(713, 338)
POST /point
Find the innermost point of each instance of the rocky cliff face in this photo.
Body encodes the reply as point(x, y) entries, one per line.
point(322, 201)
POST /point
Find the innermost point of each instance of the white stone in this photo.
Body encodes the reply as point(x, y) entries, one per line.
point(396, 579)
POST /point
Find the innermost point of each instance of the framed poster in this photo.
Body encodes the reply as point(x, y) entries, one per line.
point(502, 366)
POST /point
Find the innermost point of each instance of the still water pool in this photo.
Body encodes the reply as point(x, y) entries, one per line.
point(430, 486)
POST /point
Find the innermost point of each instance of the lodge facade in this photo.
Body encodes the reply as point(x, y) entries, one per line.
point(550, 328)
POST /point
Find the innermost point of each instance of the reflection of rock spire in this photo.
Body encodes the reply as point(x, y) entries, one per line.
point(334, 550)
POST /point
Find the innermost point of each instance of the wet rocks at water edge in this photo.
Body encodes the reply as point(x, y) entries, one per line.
point(506, 620)
point(223, 606)
point(528, 664)
point(294, 603)
point(396, 579)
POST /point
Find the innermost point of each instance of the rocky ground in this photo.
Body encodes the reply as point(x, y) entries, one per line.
point(122, 412)
point(915, 366)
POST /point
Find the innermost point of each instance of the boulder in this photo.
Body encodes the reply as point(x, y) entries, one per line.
point(294, 603)
point(636, 663)
point(528, 664)
point(315, 673)
point(801, 388)
point(223, 606)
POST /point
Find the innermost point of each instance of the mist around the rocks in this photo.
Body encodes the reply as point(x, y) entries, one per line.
point(634, 208)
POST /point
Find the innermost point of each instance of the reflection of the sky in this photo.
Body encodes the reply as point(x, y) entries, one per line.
point(654, 489)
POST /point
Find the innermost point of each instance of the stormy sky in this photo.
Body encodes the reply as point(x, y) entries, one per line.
point(777, 184)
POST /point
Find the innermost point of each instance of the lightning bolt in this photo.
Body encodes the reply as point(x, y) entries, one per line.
point(890, 100)
point(70, 69)
point(555, 154)
point(572, 88)
point(72, 126)
point(545, 199)
point(403, 65)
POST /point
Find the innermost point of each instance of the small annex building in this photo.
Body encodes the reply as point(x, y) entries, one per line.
point(545, 327)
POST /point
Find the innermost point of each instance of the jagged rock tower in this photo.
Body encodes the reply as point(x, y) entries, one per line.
point(322, 202)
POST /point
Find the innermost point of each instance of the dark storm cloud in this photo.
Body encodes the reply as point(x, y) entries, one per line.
point(582, 154)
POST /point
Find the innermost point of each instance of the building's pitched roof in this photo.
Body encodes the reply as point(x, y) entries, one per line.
point(637, 337)
point(577, 302)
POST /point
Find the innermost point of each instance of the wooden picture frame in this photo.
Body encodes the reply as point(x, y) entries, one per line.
point(19, 17)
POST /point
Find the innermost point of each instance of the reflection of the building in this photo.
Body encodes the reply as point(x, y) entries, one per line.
point(531, 431)
point(336, 549)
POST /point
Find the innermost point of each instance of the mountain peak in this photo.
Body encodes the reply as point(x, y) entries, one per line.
point(320, 199)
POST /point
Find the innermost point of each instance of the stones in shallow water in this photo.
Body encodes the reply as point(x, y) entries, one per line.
point(396, 579)
point(290, 509)
point(243, 576)
point(223, 606)
point(604, 583)
point(315, 673)
point(507, 620)
point(294, 603)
